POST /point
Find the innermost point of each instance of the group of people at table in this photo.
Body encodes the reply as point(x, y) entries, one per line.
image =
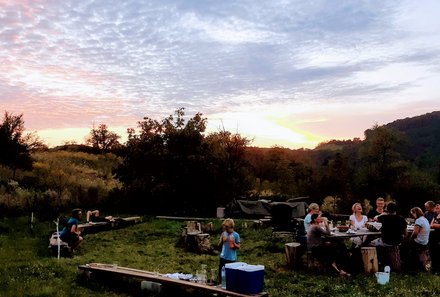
point(394, 231)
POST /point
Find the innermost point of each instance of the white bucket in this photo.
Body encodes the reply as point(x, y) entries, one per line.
point(383, 277)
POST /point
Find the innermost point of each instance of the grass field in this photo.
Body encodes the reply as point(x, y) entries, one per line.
point(27, 268)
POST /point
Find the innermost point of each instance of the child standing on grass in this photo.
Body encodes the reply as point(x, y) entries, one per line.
point(230, 243)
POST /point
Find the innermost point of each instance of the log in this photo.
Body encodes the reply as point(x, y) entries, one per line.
point(392, 257)
point(369, 257)
point(292, 253)
point(207, 227)
point(425, 259)
point(203, 243)
point(198, 242)
point(193, 226)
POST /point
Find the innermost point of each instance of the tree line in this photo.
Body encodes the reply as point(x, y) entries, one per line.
point(172, 166)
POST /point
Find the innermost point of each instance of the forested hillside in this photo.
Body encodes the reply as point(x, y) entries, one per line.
point(59, 180)
point(174, 167)
point(423, 138)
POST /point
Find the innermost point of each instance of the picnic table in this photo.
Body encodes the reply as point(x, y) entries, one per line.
point(99, 268)
point(352, 233)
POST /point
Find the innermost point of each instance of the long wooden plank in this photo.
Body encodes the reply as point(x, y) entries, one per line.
point(186, 218)
point(159, 278)
point(115, 223)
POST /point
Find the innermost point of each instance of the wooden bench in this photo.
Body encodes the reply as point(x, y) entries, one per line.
point(88, 270)
point(65, 249)
point(115, 223)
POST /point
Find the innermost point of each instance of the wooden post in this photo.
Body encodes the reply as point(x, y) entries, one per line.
point(369, 257)
point(292, 253)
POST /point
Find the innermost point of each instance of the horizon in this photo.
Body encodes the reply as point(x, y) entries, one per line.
point(283, 73)
point(123, 138)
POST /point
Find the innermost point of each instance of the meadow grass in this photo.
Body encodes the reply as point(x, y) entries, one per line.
point(28, 269)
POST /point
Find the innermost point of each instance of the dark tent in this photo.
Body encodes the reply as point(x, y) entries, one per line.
point(263, 208)
point(248, 209)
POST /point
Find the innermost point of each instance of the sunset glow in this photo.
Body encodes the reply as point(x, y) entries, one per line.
point(287, 73)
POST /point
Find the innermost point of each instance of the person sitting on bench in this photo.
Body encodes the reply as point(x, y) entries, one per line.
point(93, 216)
point(70, 233)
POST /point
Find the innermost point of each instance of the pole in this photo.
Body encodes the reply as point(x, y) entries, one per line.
point(58, 238)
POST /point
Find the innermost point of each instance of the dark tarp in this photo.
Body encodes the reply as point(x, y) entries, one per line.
point(263, 208)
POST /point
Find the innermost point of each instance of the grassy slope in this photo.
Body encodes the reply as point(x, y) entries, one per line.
point(27, 270)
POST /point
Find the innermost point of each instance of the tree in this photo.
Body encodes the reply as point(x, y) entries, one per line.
point(164, 162)
point(14, 151)
point(229, 167)
point(382, 162)
point(103, 139)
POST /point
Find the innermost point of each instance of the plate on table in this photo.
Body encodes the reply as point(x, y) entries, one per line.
point(185, 276)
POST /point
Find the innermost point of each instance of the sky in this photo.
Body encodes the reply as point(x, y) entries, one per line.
point(280, 72)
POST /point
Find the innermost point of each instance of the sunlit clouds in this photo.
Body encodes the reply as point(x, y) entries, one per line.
point(288, 73)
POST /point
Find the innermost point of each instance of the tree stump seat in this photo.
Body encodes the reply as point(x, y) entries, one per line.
point(292, 250)
point(196, 241)
point(424, 259)
point(391, 257)
point(369, 258)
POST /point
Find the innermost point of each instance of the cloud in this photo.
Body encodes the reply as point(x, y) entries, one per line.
point(71, 63)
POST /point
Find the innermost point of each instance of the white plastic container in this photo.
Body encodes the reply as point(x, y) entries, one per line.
point(220, 212)
point(383, 277)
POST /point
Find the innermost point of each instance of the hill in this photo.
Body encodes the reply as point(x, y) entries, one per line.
point(423, 135)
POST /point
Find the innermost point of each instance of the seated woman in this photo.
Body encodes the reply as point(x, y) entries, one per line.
point(419, 239)
point(93, 216)
point(357, 219)
point(70, 233)
point(357, 222)
point(329, 254)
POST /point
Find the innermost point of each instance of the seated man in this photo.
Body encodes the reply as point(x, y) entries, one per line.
point(376, 212)
point(393, 228)
point(93, 216)
point(430, 213)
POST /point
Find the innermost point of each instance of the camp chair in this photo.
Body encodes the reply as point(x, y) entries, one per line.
point(282, 222)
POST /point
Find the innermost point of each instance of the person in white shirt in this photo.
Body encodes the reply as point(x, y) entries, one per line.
point(357, 219)
point(419, 239)
point(422, 227)
point(357, 222)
